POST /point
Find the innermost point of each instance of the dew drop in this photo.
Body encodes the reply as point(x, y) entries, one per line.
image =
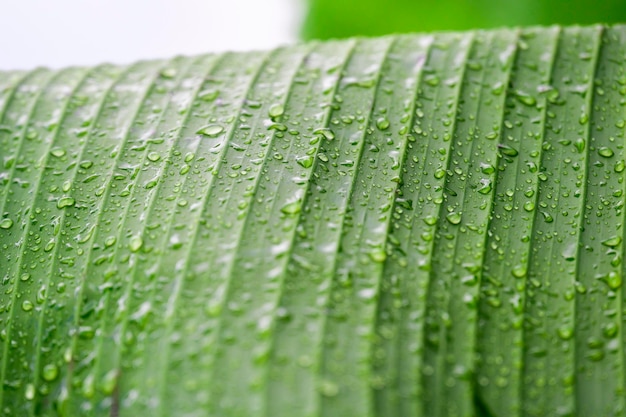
point(327, 133)
point(65, 202)
point(382, 123)
point(580, 145)
point(276, 110)
point(605, 152)
point(547, 217)
point(487, 168)
point(565, 332)
point(209, 95)
point(430, 220)
point(136, 242)
point(210, 130)
point(86, 164)
point(168, 73)
point(50, 372)
point(519, 271)
point(378, 255)
point(57, 152)
point(292, 208)
point(153, 156)
point(6, 223)
point(583, 119)
point(614, 280)
point(432, 80)
point(454, 218)
point(29, 392)
point(328, 388)
point(612, 242)
point(507, 150)
point(485, 187)
point(305, 161)
point(525, 98)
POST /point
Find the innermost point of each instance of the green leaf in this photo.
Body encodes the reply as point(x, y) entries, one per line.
point(416, 225)
point(330, 19)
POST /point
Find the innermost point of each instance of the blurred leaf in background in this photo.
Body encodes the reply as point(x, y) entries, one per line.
point(343, 18)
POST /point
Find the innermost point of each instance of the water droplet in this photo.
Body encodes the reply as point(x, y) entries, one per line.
point(547, 217)
point(292, 208)
point(595, 355)
point(328, 388)
point(367, 293)
point(529, 206)
point(497, 88)
point(50, 372)
point(135, 243)
point(612, 242)
point(57, 152)
point(583, 119)
point(110, 241)
point(610, 330)
point(492, 135)
point(619, 166)
point(507, 150)
point(430, 220)
point(153, 156)
point(454, 218)
point(525, 98)
point(27, 305)
point(210, 130)
point(209, 95)
point(565, 332)
point(29, 392)
point(382, 123)
point(6, 223)
point(280, 127)
point(109, 382)
point(305, 161)
point(485, 187)
point(65, 202)
point(580, 145)
point(327, 133)
point(89, 388)
point(605, 152)
point(439, 173)
point(378, 255)
point(432, 80)
point(276, 110)
point(168, 73)
point(519, 271)
point(614, 280)
point(487, 168)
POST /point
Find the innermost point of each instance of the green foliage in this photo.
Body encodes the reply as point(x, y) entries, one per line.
point(401, 226)
point(327, 19)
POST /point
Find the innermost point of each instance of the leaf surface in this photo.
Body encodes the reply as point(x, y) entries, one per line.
point(414, 225)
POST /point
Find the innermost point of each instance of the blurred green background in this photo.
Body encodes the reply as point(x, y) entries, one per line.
point(342, 18)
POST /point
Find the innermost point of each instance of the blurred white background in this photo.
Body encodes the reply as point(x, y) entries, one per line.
point(57, 33)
